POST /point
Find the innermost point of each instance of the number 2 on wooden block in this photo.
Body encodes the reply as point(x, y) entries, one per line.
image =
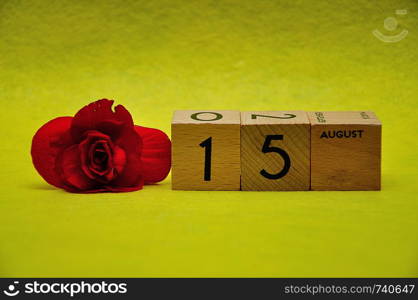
point(207, 144)
point(286, 116)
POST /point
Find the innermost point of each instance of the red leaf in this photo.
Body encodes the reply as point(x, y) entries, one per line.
point(133, 173)
point(47, 143)
point(156, 154)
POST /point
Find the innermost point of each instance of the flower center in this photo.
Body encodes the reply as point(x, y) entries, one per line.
point(97, 157)
point(100, 156)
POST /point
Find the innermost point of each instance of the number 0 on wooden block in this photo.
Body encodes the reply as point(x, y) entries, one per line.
point(206, 150)
point(275, 151)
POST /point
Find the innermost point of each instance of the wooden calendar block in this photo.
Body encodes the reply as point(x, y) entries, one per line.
point(205, 150)
point(275, 150)
point(345, 150)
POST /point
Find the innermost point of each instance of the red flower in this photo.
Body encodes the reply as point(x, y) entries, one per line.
point(100, 150)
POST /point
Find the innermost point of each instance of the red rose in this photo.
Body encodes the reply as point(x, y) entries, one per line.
point(100, 150)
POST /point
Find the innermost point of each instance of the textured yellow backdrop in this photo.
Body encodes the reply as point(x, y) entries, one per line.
point(158, 56)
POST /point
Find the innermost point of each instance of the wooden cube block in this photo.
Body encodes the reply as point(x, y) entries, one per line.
point(275, 150)
point(345, 150)
point(205, 150)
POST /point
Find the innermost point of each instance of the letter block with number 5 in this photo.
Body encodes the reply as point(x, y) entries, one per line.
point(275, 151)
point(206, 150)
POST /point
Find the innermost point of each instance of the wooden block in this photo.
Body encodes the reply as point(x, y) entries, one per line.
point(345, 150)
point(275, 150)
point(205, 150)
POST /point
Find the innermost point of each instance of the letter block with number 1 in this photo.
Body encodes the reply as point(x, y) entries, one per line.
point(345, 150)
point(205, 150)
point(275, 150)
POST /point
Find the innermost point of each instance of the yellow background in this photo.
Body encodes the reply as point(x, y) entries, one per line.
point(158, 56)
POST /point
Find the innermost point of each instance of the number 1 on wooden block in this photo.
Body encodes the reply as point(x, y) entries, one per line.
point(207, 144)
point(216, 166)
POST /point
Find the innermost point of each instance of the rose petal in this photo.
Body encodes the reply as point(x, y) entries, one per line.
point(112, 128)
point(132, 174)
point(119, 159)
point(131, 177)
point(156, 154)
point(47, 143)
point(129, 140)
point(94, 114)
point(68, 165)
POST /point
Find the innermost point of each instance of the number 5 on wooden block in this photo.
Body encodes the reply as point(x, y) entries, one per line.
point(206, 150)
point(275, 151)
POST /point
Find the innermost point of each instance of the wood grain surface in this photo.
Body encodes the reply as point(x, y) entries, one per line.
point(345, 150)
point(290, 132)
point(188, 154)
